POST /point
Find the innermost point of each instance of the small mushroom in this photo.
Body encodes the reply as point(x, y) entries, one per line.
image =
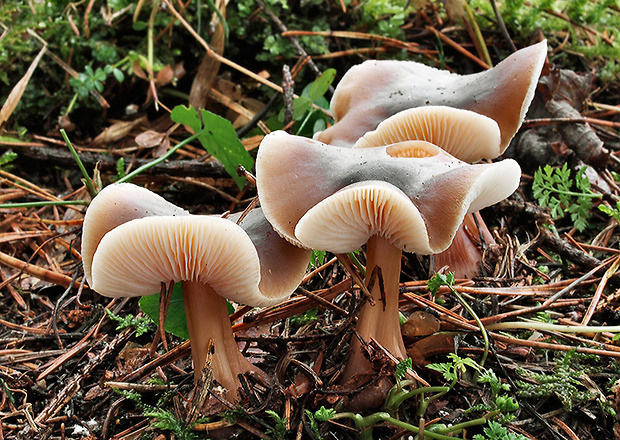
point(375, 90)
point(464, 134)
point(467, 136)
point(134, 240)
point(409, 196)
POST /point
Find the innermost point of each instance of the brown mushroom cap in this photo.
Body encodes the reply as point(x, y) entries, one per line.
point(115, 205)
point(136, 257)
point(133, 240)
point(464, 134)
point(282, 265)
point(299, 179)
point(375, 90)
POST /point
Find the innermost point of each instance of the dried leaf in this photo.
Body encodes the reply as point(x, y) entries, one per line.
point(207, 71)
point(16, 94)
point(117, 131)
point(149, 139)
point(438, 344)
point(164, 76)
point(420, 323)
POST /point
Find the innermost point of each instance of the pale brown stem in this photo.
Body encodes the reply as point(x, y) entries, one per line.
point(379, 321)
point(207, 317)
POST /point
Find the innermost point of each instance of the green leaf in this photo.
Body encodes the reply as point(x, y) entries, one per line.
point(402, 367)
point(438, 280)
point(186, 116)
point(321, 84)
point(218, 138)
point(300, 106)
point(176, 322)
point(324, 414)
point(118, 74)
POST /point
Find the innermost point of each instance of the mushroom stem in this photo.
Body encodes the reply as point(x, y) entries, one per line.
point(207, 317)
point(378, 321)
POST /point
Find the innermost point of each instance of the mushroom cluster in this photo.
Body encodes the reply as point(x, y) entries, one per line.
point(405, 185)
point(409, 196)
point(134, 240)
point(396, 172)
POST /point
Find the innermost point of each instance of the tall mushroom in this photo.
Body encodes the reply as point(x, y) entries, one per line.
point(409, 196)
point(133, 240)
point(375, 90)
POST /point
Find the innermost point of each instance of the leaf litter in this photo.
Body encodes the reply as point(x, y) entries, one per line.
point(76, 365)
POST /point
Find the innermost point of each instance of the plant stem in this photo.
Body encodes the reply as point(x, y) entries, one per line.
point(395, 400)
point(87, 180)
point(160, 159)
point(529, 325)
point(46, 203)
point(366, 423)
point(572, 193)
point(485, 335)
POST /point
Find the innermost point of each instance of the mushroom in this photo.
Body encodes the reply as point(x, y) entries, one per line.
point(133, 240)
point(410, 196)
point(464, 134)
point(375, 90)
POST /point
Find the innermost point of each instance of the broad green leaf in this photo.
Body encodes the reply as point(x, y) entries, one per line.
point(186, 116)
point(218, 138)
point(300, 106)
point(321, 84)
point(175, 320)
point(221, 141)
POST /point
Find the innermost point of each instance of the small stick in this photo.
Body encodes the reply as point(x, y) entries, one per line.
point(599, 291)
point(321, 300)
point(458, 48)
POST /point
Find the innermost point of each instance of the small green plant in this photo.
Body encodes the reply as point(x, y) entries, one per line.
point(141, 324)
point(566, 382)
point(279, 431)
point(401, 368)
point(506, 405)
point(440, 279)
point(90, 79)
point(322, 415)
point(612, 212)
point(308, 118)
point(305, 318)
point(6, 160)
point(162, 419)
point(554, 187)
point(495, 431)
point(450, 370)
point(317, 259)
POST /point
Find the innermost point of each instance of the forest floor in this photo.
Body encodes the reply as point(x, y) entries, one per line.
point(76, 365)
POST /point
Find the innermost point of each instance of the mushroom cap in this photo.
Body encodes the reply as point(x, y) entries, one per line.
point(184, 247)
point(282, 265)
point(134, 259)
point(464, 134)
point(114, 205)
point(373, 190)
point(375, 90)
